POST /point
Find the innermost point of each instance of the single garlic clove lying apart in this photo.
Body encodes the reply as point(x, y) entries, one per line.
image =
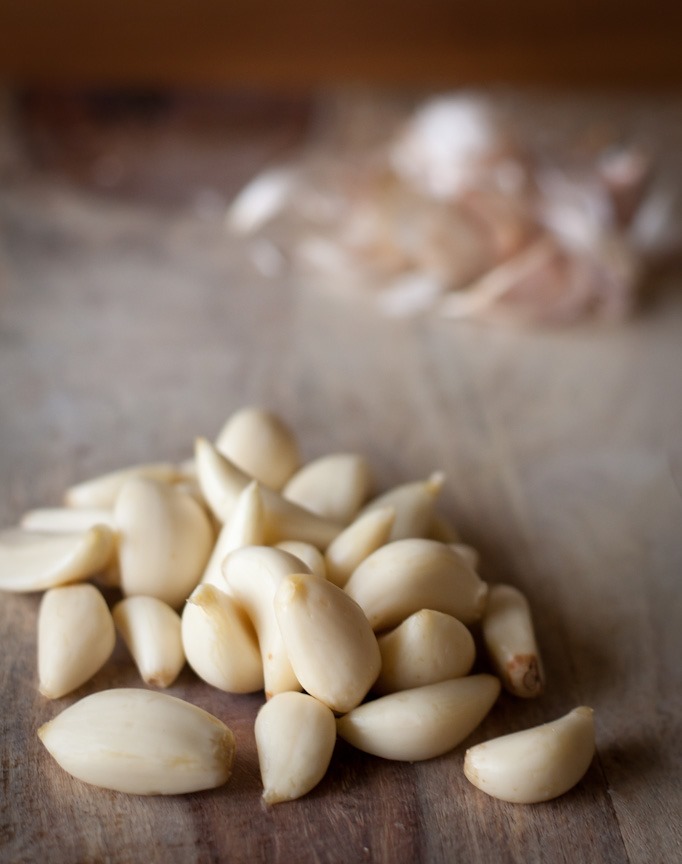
point(356, 542)
point(510, 641)
point(295, 738)
point(329, 642)
point(222, 481)
point(306, 552)
point(36, 561)
point(165, 540)
point(253, 575)
point(536, 764)
point(427, 647)
point(141, 742)
point(334, 486)
point(151, 631)
point(76, 637)
point(64, 520)
point(246, 527)
point(102, 491)
point(405, 576)
point(414, 505)
point(421, 723)
point(220, 642)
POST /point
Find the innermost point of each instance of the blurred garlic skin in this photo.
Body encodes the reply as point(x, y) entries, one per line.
point(405, 576)
point(33, 561)
point(102, 491)
point(414, 504)
point(356, 542)
point(220, 642)
point(295, 738)
point(261, 445)
point(536, 764)
point(306, 552)
point(151, 632)
point(329, 642)
point(421, 723)
point(76, 637)
point(426, 648)
point(141, 742)
point(333, 486)
point(165, 540)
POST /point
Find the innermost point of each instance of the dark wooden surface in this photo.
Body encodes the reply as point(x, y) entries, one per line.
point(129, 323)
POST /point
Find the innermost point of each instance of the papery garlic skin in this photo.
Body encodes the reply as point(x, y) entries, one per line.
point(141, 742)
point(295, 738)
point(536, 764)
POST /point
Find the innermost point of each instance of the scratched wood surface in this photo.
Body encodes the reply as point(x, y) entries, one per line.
point(129, 323)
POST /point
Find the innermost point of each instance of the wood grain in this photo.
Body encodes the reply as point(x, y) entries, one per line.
point(128, 326)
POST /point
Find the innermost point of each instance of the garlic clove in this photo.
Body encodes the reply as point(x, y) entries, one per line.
point(65, 520)
point(220, 642)
point(470, 555)
point(36, 561)
point(362, 537)
point(427, 647)
point(76, 637)
point(421, 723)
point(333, 486)
point(536, 764)
point(306, 552)
point(408, 575)
point(151, 631)
point(102, 491)
point(414, 505)
point(441, 529)
point(141, 742)
point(295, 738)
point(330, 644)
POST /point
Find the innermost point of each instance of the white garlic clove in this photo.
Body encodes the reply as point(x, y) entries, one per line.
point(414, 505)
point(65, 520)
point(427, 647)
point(470, 555)
point(442, 530)
point(261, 444)
point(222, 481)
point(421, 723)
point(509, 638)
point(536, 764)
point(408, 575)
point(246, 527)
point(165, 540)
point(356, 542)
point(76, 637)
point(333, 486)
point(295, 738)
point(32, 561)
point(306, 552)
point(329, 642)
point(151, 632)
point(141, 742)
point(102, 491)
point(220, 642)
point(253, 575)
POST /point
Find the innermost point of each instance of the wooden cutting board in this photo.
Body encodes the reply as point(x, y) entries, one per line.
point(127, 328)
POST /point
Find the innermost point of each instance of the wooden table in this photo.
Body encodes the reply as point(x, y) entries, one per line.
point(129, 323)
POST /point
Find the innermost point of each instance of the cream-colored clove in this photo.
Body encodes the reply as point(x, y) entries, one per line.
point(307, 553)
point(414, 505)
point(102, 491)
point(65, 520)
point(356, 542)
point(333, 486)
point(151, 632)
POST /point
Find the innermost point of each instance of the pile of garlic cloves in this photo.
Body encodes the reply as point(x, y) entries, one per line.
point(351, 611)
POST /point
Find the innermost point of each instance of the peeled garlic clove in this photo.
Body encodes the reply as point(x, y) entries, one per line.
point(246, 527)
point(102, 491)
point(414, 505)
point(35, 561)
point(220, 642)
point(441, 529)
point(151, 631)
point(222, 481)
point(408, 575)
point(261, 444)
point(64, 520)
point(362, 537)
point(333, 486)
point(423, 722)
point(510, 641)
point(427, 647)
point(329, 642)
point(142, 742)
point(165, 540)
point(76, 637)
point(536, 764)
point(253, 575)
point(306, 552)
point(295, 738)
point(470, 555)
